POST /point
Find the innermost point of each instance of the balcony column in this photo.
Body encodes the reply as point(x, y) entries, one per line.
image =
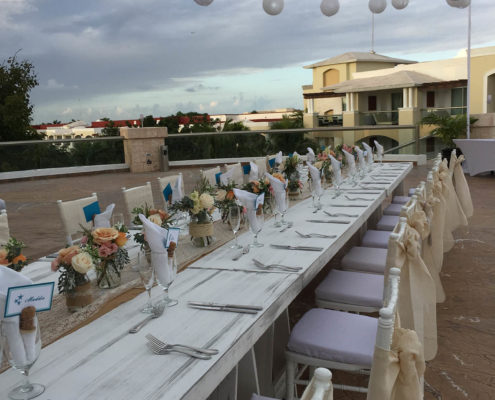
point(310, 119)
point(138, 143)
point(351, 95)
point(404, 98)
point(410, 102)
point(350, 118)
point(311, 106)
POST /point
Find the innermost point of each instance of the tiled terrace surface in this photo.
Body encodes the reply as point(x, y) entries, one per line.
point(465, 364)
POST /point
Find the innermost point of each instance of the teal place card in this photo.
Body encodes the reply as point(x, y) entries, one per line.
point(39, 295)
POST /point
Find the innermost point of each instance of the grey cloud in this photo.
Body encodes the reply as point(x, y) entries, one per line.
point(200, 88)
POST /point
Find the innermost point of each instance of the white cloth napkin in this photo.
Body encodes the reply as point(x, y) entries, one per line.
point(226, 177)
point(379, 151)
point(362, 163)
point(337, 174)
point(177, 194)
point(22, 345)
point(369, 153)
point(316, 179)
point(279, 158)
point(102, 220)
point(4, 229)
point(310, 157)
point(279, 189)
point(248, 200)
point(351, 162)
point(156, 236)
point(253, 173)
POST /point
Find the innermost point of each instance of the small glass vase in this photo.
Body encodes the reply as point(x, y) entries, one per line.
point(108, 277)
point(80, 297)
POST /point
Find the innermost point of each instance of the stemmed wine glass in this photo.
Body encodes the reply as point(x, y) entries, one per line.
point(256, 221)
point(285, 207)
point(147, 275)
point(235, 215)
point(315, 195)
point(274, 210)
point(165, 271)
point(22, 348)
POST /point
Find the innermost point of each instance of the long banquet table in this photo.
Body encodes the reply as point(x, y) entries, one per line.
point(102, 361)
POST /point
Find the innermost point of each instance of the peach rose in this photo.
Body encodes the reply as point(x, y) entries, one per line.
point(65, 255)
point(163, 215)
point(103, 235)
point(19, 258)
point(230, 195)
point(82, 262)
point(55, 264)
point(3, 257)
point(156, 219)
point(121, 240)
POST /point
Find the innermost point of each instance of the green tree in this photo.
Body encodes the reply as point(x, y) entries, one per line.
point(289, 142)
point(149, 121)
point(17, 78)
point(447, 127)
point(110, 129)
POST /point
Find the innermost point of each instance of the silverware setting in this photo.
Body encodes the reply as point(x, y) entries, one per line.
point(281, 267)
point(376, 182)
point(223, 307)
point(245, 250)
point(358, 198)
point(289, 225)
point(157, 311)
point(340, 214)
point(213, 304)
point(371, 187)
point(328, 221)
point(315, 235)
point(163, 345)
point(348, 205)
point(289, 247)
point(362, 192)
point(167, 350)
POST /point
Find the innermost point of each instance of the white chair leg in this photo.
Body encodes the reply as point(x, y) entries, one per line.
point(290, 372)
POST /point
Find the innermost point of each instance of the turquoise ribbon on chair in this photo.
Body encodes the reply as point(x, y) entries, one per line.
point(91, 210)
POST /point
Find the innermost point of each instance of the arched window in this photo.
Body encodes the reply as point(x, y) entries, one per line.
point(331, 77)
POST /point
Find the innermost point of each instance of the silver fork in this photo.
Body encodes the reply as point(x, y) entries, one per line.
point(156, 312)
point(289, 225)
point(164, 345)
point(259, 264)
point(245, 250)
point(160, 351)
point(317, 235)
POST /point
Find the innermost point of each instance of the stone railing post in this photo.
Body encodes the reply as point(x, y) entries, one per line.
point(142, 147)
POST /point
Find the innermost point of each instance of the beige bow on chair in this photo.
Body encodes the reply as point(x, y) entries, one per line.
point(462, 188)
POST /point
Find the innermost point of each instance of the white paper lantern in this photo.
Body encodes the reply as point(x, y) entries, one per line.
point(329, 7)
point(273, 7)
point(400, 4)
point(459, 3)
point(204, 2)
point(377, 6)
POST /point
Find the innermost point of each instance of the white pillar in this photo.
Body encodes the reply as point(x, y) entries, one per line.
point(410, 98)
point(404, 97)
point(352, 101)
point(311, 106)
point(348, 101)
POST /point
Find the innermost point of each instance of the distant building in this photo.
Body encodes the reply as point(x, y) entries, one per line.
point(255, 121)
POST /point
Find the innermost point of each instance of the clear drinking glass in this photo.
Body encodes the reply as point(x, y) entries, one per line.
point(22, 349)
point(256, 221)
point(285, 207)
point(314, 194)
point(275, 211)
point(235, 215)
point(165, 272)
point(117, 219)
point(147, 275)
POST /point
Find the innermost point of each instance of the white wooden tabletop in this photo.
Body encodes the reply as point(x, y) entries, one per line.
point(102, 361)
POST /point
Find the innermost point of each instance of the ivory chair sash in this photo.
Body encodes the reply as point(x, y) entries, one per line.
point(73, 216)
point(137, 197)
point(261, 163)
point(447, 241)
point(4, 228)
point(461, 185)
point(210, 175)
point(417, 298)
point(172, 181)
point(237, 174)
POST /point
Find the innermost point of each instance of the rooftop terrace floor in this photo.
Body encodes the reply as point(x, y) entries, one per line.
point(465, 363)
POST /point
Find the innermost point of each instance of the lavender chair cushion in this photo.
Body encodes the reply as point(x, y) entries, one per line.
point(335, 336)
point(387, 222)
point(411, 192)
point(393, 209)
point(258, 397)
point(374, 238)
point(400, 199)
point(365, 259)
point(355, 288)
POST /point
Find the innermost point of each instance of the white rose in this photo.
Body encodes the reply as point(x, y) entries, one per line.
point(82, 262)
point(221, 195)
point(156, 219)
point(206, 201)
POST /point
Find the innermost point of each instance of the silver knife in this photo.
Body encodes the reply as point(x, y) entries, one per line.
point(287, 247)
point(328, 221)
point(376, 182)
point(228, 309)
point(362, 192)
point(348, 205)
point(212, 304)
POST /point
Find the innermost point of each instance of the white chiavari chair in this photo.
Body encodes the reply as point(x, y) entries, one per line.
point(138, 196)
point(76, 214)
point(261, 163)
point(171, 188)
point(211, 175)
point(4, 228)
point(237, 173)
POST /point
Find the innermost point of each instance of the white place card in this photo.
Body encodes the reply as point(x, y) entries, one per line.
point(39, 295)
point(173, 236)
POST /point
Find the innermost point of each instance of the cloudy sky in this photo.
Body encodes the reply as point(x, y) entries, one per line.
point(123, 58)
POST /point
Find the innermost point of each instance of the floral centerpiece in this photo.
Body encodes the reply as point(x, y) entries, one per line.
point(157, 216)
point(200, 205)
point(11, 255)
point(106, 247)
point(324, 164)
point(290, 167)
point(224, 199)
point(261, 186)
point(340, 154)
point(74, 264)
